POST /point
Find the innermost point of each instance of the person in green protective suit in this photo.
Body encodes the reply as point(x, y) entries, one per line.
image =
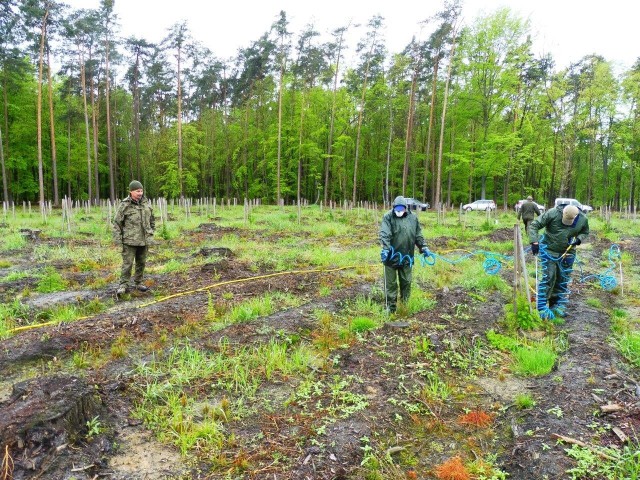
point(565, 228)
point(528, 211)
point(400, 233)
point(133, 229)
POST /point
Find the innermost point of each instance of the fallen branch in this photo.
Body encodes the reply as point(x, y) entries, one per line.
point(82, 469)
point(580, 443)
point(611, 407)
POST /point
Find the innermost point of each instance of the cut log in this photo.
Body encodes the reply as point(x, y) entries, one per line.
point(42, 415)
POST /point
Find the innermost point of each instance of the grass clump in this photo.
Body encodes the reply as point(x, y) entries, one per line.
point(535, 361)
point(594, 302)
point(12, 241)
point(524, 401)
point(177, 417)
point(258, 307)
point(628, 344)
point(50, 281)
point(502, 342)
point(362, 324)
point(11, 314)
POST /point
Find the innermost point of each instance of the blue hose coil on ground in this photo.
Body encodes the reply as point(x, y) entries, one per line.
point(492, 263)
point(607, 281)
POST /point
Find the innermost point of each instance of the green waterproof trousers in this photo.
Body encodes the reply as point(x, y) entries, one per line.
point(130, 255)
point(391, 278)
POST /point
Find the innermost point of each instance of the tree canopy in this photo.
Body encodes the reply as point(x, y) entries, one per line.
point(293, 118)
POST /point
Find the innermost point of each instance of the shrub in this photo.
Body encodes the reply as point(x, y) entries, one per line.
point(50, 281)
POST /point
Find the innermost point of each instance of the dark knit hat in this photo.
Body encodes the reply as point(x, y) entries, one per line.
point(135, 185)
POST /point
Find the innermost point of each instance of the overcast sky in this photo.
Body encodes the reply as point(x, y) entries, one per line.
point(568, 29)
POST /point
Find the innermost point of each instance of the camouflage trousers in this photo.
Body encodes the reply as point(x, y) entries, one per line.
point(130, 255)
point(393, 276)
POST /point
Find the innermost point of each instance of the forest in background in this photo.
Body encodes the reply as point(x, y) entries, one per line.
point(469, 112)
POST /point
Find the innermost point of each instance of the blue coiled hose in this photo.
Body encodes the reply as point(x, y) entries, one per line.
point(492, 263)
point(565, 268)
point(607, 281)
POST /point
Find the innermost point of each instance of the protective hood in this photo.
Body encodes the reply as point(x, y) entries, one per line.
point(400, 200)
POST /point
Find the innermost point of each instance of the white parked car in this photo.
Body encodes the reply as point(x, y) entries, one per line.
point(480, 205)
point(573, 201)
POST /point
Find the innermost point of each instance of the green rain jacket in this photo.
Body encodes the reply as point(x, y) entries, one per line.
point(134, 223)
point(528, 211)
point(403, 234)
point(556, 234)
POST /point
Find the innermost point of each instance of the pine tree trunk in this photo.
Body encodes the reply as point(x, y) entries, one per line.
point(386, 200)
point(94, 122)
point(180, 179)
point(409, 130)
point(5, 187)
point(442, 124)
point(300, 138)
point(360, 116)
point(52, 129)
point(280, 88)
point(68, 155)
point(427, 150)
point(112, 191)
point(83, 86)
point(327, 162)
point(39, 108)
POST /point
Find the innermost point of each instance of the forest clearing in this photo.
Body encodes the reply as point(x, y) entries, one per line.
point(263, 351)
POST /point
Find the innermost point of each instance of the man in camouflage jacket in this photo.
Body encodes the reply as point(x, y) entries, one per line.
point(133, 227)
point(528, 211)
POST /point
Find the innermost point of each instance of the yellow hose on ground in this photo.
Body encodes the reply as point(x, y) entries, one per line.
point(189, 292)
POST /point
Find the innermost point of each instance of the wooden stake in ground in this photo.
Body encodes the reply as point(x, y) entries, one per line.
point(520, 269)
point(516, 261)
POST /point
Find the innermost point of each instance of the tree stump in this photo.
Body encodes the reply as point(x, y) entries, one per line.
point(41, 416)
point(32, 235)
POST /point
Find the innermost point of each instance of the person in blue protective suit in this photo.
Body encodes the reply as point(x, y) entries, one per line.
point(400, 233)
point(565, 228)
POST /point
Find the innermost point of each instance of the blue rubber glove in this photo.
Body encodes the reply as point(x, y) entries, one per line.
point(575, 241)
point(426, 253)
point(384, 255)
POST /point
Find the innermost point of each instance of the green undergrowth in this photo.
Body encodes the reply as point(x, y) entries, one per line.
point(168, 402)
point(605, 463)
point(252, 309)
point(530, 358)
point(626, 336)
